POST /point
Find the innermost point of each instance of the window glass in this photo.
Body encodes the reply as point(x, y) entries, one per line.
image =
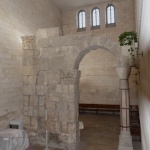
point(81, 19)
point(110, 14)
point(95, 17)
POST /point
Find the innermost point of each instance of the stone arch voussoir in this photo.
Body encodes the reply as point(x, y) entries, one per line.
point(95, 43)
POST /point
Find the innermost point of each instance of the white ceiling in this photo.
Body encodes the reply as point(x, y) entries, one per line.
point(70, 4)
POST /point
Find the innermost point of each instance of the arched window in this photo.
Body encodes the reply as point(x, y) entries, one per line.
point(81, 20)
point(95, 18)
point(110, 16)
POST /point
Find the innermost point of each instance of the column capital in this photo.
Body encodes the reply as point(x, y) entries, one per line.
point(28, 42)
point(123, 72)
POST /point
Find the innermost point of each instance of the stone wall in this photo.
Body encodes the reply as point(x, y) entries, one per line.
point(143, 28)
point(125, 21)
point(99, 79)
point(18, 18)
point(51, 83)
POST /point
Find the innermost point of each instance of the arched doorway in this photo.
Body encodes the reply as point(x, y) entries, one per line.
point(99, 84)
point(115, 54)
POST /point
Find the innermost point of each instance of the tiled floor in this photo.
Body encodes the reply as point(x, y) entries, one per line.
point(101, 132)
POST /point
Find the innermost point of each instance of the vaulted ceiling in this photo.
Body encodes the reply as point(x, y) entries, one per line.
point(70, 4)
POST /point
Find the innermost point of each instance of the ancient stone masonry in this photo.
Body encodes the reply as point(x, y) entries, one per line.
point(31, 109)
point(51, 80)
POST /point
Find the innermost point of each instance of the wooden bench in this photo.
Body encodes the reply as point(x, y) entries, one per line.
point(98, 108)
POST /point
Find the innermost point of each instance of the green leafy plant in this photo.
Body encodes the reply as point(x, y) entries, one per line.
point(131, 50)
point(127, 38)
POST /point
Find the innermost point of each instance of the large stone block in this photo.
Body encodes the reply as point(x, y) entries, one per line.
point(64, 127)
point(72, 138)
point(44, 64)
point(72, 128)
point(25, 110)
point(53, 115)
point(109, 44)
point(26, 120)
point(41, 111)
point(25, 80)
point(28, 70)
point(51, 88)
point(72, 107)
point(34, 100)
point(73, 146)
point(68, 81)
point(27, 53)
point(53, 77)
point(71, 88)
point(48, 32)
point(51, 105)
point(28, 89)
point(34, 121)
point(35, 111)
point(44, 34)
point(64, 138)
point(67, 97)
point(32, 80)
point(54, 127)
point(30, 111)
point(72, 116)
point(41, 123)
point(42, 100)
point(60, 88)
point(116, 50)
point(26, 100)
point(27, 61)
point(59, 61)
point(53, 97)
point(40, 89)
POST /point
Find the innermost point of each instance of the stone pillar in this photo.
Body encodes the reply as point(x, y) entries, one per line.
point(29, 80)
point(125, 139)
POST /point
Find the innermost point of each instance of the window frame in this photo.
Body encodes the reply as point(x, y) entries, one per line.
point(110, 24)
point(97, 26)
point(83, 28)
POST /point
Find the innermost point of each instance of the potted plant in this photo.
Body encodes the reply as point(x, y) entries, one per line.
point(128, 42)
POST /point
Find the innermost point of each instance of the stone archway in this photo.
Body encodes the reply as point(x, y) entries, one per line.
point(90, 48)
point(78, 60)
point(123, 70)
point(51, 77)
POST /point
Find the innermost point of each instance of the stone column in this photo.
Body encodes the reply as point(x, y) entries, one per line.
point(30, 99)
point(125, 139)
